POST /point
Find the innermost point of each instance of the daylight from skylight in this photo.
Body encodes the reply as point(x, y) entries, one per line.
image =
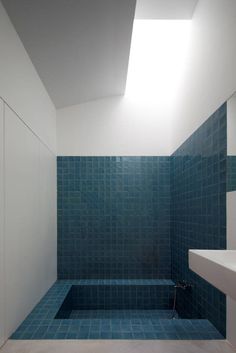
point(158, 59)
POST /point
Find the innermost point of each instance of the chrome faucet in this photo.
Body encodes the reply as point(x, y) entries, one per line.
point(183, 285)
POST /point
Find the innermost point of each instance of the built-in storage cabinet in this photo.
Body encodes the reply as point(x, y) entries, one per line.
point(2, 311)
point(28, 239)
point(30, 121)
point(22, 238)
point(48, 215)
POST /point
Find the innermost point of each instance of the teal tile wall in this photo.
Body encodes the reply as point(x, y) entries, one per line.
point(113, 217)
point(198, 214)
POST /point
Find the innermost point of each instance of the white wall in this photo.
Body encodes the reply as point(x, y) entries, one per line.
point(48, 216)
point(211, 72)
point(30, 220)
point(27, 183)
point(2, 289)
point(113, 127)
point(162, 10)
point(20, 83)
point(231, 244)
point(231, 126)
point(231, 220)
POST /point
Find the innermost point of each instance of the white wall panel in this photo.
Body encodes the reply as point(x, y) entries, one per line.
point(210, 77)
point(48, 207)
point(231, 126)
point(231, 321)
point(231, 244)
point(231, 220)
point(28, 238)
point(30, 234)
point(2, 279)
point(114, 126)
point(23, 280)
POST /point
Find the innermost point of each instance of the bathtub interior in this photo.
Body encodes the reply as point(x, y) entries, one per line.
point(112, 309)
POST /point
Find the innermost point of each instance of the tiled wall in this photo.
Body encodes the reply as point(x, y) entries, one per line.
point(113, 217)
point(198, 214)
point(231, 173)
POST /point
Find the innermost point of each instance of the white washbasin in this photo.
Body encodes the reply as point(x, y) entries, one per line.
point(218, 267)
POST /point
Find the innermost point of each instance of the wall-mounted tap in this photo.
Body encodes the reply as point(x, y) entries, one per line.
point(183, 285)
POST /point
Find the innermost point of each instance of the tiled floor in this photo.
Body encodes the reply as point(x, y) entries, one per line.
point(41, 323)
point(119, 329)
point(112, 346)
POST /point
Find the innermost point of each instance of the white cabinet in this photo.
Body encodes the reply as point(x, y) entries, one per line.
point(2, 280)
point(48, 207)
point(30, 220)
point(22, 236)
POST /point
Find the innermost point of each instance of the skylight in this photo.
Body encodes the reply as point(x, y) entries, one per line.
point(158, 56)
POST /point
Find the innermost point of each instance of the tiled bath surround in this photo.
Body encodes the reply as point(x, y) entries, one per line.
point(42, 324)
point(117, 296)
point(113, 217)
point(198, 214)
point(119, 220)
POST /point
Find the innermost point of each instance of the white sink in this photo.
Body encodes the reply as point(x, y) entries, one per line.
point(218, 267)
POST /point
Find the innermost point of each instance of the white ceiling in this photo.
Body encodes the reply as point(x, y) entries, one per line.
point(80, 48)
point(165, 9)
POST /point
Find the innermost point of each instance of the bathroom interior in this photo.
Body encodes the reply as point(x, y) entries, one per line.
point(118, 176)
